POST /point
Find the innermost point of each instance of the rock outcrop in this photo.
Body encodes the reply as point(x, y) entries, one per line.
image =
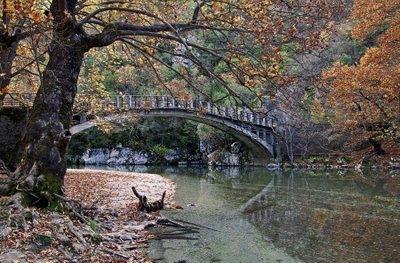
point(115, 156)
point(234, 157)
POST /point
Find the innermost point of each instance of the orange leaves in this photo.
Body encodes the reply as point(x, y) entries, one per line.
point(36, 16)
point(367, 94)
point(16, 9)
point(370, 15)
point(4, 90)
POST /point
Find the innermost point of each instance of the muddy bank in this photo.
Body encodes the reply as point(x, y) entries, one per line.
point(111, 229)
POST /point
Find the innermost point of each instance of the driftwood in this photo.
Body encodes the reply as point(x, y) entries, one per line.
point(113, 252)
point(180, 233)
point(168, 222)
point(148, 207)
point(196, 226)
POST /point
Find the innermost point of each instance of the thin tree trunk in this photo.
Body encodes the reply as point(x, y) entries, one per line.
point(377, 146)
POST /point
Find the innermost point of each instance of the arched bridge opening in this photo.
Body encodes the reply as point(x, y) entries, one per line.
point(253, 129)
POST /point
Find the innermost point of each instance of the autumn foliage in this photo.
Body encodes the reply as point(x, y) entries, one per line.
point(365, 97)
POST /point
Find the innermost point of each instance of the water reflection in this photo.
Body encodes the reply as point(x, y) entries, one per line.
point(329, 218)
point(262, 216)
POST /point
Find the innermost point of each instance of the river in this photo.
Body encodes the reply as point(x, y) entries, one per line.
point(256, 215)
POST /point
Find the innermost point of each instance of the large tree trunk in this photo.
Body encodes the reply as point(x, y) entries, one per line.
point(43, 147)
point(44, 143)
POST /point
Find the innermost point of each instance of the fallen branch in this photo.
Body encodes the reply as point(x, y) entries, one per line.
point(168, 222)
point(148, 207)
point(193, 224)
point(180, 233)
point(177, 237)
point(73, 230)
point(71, 205)
point(112, 252)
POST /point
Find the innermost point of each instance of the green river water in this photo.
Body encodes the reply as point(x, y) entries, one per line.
point(259, 215)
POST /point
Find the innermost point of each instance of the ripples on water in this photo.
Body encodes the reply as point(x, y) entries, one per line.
point(294, 216)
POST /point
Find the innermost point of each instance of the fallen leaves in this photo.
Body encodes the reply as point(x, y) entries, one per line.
point(106, 189)
point(115, 233)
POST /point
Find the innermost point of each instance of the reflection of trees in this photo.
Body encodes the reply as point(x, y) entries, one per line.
point(238, 177)
point(313, 219)
point(379, 184)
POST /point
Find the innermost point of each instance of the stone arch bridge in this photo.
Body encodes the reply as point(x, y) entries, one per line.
point(254, 129)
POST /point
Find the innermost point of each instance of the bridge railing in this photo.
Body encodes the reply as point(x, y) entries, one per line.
point(196, 105)
point(143, 102)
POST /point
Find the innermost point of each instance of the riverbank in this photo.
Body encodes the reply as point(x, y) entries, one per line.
point(111, 228)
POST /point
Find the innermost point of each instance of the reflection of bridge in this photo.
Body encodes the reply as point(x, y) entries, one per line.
point(329, 216)
point(254, 129)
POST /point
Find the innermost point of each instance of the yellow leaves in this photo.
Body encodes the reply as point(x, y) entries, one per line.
point(237, 19)
point(92, 95)
point(16, 9)
point(219, 7)
point(317, 111)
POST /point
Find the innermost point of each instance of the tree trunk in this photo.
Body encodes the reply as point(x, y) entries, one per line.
point(44, 143)
point(377, 146)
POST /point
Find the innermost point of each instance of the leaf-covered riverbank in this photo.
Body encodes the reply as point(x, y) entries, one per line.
point(114, 230)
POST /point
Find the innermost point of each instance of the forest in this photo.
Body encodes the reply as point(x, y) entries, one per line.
point(326, 72)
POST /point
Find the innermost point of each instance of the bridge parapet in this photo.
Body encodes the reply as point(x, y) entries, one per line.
point(148, 102)
point(240, 114)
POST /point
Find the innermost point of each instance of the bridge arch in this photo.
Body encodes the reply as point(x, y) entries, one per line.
point(253, 131)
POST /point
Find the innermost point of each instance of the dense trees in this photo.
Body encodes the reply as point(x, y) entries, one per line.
point(365, 96)
point(19, 21)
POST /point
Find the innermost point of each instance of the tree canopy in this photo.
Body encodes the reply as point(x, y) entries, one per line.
point(365, 96)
